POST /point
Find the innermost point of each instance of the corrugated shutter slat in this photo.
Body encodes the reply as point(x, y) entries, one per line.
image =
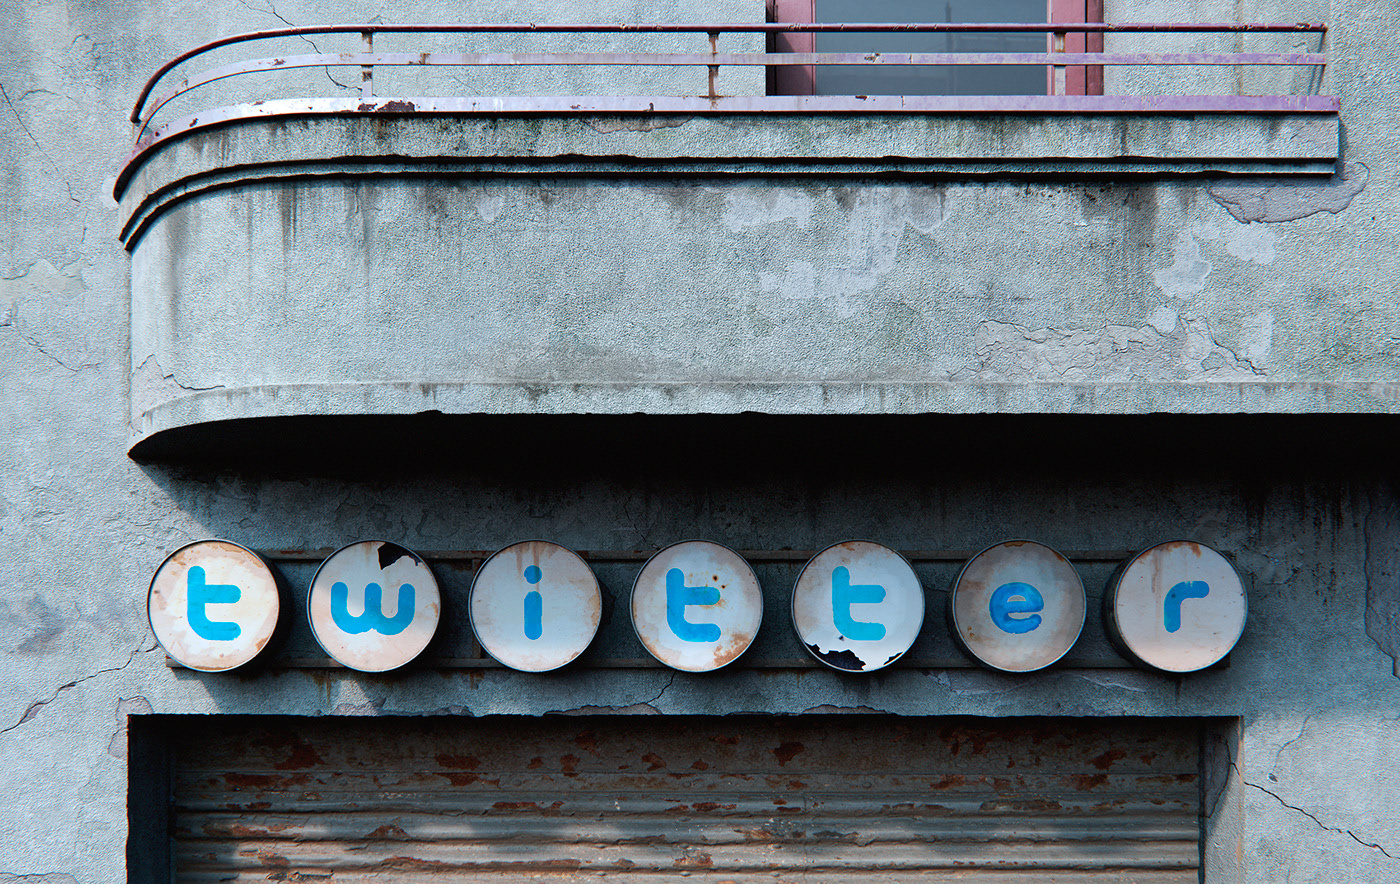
point(816, 799)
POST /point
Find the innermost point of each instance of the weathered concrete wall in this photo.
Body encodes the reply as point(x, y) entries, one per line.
point(1038, 283)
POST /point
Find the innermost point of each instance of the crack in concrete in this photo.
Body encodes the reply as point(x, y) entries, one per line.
point(1302, 730)
point(66, 183)
point(1320, 823)
point(272, 10)
point(14, 324)
point(34, 708)
point(669, 682)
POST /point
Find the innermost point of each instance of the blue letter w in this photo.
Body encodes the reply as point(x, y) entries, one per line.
point(373, 617)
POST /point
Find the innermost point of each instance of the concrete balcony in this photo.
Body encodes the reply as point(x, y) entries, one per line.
point(722, 255)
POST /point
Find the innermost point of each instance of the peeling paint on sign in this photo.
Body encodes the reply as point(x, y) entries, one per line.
point(696, 606)
point(1178, 607)
point(857, 606)
point(213, 605)
point(1017, 606)
point(374, 605)
point(535, 606)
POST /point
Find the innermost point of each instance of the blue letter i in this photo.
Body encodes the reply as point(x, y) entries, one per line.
point(534, 605)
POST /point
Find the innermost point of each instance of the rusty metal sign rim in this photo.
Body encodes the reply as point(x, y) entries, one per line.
point(1110, 607)
point(792, 606)
point(276, 619)
point(957, 627)
point(632, 612)
point(471, 594)
point(312, 585)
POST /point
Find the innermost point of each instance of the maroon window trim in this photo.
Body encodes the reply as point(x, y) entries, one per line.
point(1079, 80)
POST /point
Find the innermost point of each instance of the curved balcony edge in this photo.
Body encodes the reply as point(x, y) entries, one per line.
point(224, 149)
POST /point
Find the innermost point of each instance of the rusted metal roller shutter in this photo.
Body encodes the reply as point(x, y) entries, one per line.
point(644, 799)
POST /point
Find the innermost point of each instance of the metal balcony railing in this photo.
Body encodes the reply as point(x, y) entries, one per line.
point(707, 99)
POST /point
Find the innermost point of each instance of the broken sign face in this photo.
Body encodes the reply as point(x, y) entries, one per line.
point(857, 606)
point(374, 605)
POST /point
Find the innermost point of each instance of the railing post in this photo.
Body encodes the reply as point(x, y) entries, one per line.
point(1058, 73)
point(714, 68)
point(367, 71)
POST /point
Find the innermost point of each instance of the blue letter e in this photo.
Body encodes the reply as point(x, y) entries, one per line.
point(1016, 598)
point(678, 596)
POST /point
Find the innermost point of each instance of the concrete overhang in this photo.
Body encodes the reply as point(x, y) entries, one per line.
point(295, 264)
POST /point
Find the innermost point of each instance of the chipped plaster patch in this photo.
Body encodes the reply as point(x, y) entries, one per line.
point(877, 220)
point(1257, 338)
point(1275, 201)
point(151, 385)
point(489, 206)
point(1186, 277)
point(1163, 319)
point(1110, 354)
point(755, 206)
point(1252, 242)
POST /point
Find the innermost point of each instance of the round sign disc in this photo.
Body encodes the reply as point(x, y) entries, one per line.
point(1018, 606)
point(1177, 606)
point(696, 606)
point(213, 605)
point(373, 605)
point(857, 606)
point(535, 606)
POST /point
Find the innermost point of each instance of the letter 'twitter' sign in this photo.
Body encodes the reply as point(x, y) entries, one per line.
point(535, 606)
point(696, 606)
point(857, 606)
point(213, 605)
point(1177, 606)
point(374, 605)
point(1018, 606)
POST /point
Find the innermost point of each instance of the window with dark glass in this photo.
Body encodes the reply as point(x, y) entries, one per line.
point(934, 79)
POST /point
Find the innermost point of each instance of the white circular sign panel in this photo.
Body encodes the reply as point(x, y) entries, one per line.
point(1177, 606)
point(696, 606)
point(213, 605)
point(374, 605)
point(1018, 606)
point(535, 606)
point(857, 606)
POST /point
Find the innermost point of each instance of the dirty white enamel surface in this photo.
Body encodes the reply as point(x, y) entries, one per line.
point(213, 605)
point(535, 606)
point(857, 606)
point(1178, 606)
point(374, 605)
point(1018, 606)
point(696, 606)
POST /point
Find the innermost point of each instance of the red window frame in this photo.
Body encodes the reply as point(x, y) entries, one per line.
point(802, 79)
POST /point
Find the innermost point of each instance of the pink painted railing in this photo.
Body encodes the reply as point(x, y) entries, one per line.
point(709, 100)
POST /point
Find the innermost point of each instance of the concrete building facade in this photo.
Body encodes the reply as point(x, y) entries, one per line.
point(618, 326)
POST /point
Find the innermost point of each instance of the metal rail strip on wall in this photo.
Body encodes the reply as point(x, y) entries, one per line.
point(711, 61)
point(615, 647)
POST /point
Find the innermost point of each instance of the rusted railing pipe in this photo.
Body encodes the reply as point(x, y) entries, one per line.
point(368, 30)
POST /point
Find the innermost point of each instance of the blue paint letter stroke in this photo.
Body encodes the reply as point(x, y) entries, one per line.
point(373, 616)
point(198, 593)
point(534, 604)
point(1016, 598)
point(1187, 589)
point(843, 595)
point(678, 598)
